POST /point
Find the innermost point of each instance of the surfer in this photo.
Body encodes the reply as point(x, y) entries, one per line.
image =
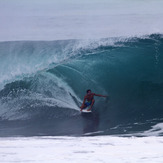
point(89, 100)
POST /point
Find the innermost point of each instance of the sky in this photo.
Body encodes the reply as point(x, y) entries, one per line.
point(70, 19)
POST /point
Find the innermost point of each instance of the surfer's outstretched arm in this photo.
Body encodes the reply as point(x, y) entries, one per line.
point(100, 95)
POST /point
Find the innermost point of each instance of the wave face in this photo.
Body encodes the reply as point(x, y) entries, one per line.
point(43, 84)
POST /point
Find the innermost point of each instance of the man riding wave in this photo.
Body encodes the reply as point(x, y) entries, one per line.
point(89, 100)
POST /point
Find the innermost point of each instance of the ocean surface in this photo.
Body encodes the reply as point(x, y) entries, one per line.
point(43, 84)
point(51, 52)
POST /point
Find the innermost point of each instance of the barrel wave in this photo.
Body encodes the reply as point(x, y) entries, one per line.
point(42, 85)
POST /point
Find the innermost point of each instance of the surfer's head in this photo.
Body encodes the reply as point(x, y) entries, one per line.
point(88, 91)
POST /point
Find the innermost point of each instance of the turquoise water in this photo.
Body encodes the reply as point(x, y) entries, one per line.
point(44, 82)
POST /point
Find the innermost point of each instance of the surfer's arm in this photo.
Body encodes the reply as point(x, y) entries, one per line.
point(100, 95)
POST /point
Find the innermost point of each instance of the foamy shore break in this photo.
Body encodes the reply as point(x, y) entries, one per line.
point(79, 149)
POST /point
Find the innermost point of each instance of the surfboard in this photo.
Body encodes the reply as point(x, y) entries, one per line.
point(86, 110)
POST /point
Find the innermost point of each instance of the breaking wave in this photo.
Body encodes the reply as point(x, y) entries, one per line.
point(46, 81)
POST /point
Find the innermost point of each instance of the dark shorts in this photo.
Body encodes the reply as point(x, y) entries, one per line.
point(88, 103)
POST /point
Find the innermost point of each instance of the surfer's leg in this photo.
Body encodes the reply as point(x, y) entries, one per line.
point(93, 101)
point(82, 107)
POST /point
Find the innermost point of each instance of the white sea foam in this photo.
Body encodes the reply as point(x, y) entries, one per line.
point(78, 149)
point(156, 130)
point(70, 19)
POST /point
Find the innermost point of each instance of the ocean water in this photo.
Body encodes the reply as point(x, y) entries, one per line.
point(51, 52)
point(43, 84)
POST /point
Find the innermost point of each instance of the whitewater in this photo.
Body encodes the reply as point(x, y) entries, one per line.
point(52, 51)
